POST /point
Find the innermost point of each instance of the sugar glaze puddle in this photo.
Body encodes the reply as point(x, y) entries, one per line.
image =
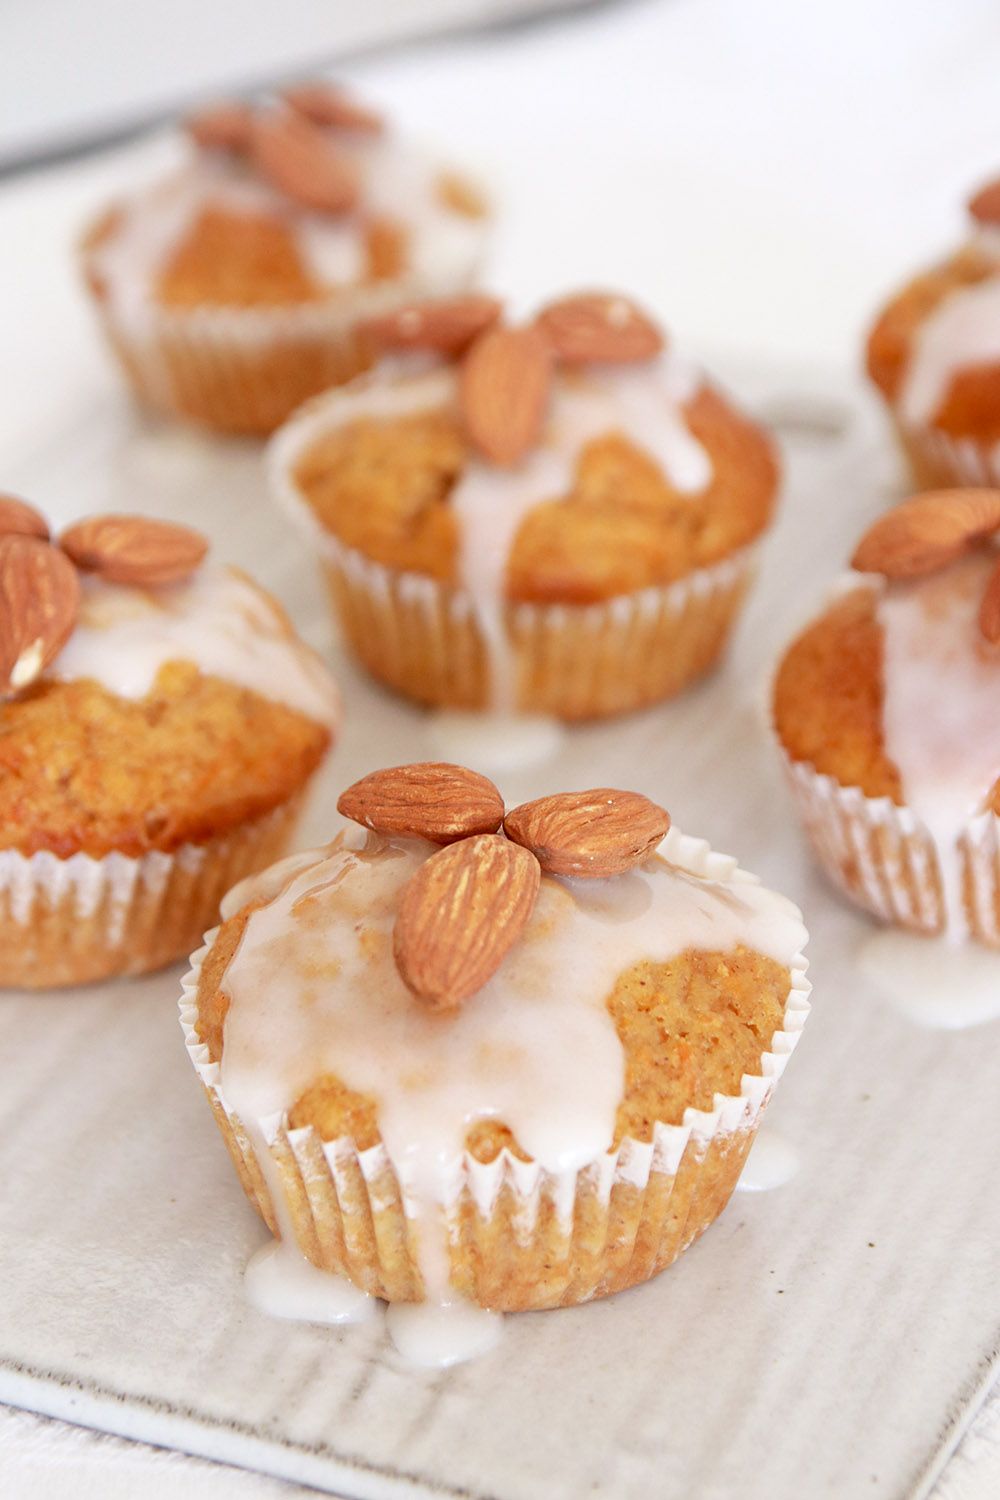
point(933, 982)
point(772, 1162)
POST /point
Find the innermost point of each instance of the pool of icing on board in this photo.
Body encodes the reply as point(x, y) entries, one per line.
point(535, 1047)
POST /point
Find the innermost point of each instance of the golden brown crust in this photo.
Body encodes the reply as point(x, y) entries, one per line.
point(828, 697)
point(971, 407)
point(383, 488)
point(236, 260)
point(82, 770)
point(689, 1028)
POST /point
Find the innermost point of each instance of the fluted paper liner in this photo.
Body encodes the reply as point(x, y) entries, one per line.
point(71, 921)
point(884, 858)
point(424, 639)
point(939, 460)
point(246, 369)
point(519, 1237)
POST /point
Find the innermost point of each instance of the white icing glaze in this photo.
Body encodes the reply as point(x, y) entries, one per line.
point(772, 1162)
point(645, 403)
point(219, 621)
point(932, 982)
point(314, 990)
point(436, 1335)
point(280, 1281)
point(962, 332)
point(397, 181)
point(941, 708)
point(494, 742)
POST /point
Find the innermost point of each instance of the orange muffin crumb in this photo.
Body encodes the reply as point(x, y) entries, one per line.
point(84, 771)
point(383, 488)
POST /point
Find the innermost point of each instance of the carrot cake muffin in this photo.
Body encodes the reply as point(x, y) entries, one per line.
point(934, 354)
point(159, 722)
point(559, 517)
point(513, 1058)
point(887, 708)
point(232, 289)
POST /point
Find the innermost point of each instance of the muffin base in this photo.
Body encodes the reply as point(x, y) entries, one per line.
point(574, 662)
point(73, 921)
point(881, 857)
point(519, 1238)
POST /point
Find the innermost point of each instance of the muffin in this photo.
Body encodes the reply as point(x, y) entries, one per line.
point(558, 518)
point(232, 289)
point(159, 723)
point(516, 1060)
point(887, 708)
point(934, 354)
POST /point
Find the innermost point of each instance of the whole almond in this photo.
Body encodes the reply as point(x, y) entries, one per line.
point(599, 327)
point(927, 532)
point(593, 834)
point(298, 159)
point(984, 206)
point(447, 326)
point(134, 549)
point(461, 914)
point(222, 127)
point(39, 602)
point(506, 383)
point(18, 518)
point(989, 609)
point(324, 104)
point(428, 800)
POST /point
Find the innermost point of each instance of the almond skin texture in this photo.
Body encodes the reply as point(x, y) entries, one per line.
point(460, 915)
point(324, 104)
point(446, 327)
point(599, 327)
point(132, 549)
point(298, 159)
point(17, 518)
point(927, 533)
point(989, 610)
point(39, 602)
point(222, 127)
point(592, 834)
point(430, 800)
point(505, 386)
point(984, 206)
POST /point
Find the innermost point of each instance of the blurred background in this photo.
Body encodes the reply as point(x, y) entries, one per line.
point(761, 171)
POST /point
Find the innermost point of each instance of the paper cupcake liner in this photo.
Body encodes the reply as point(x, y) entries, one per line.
point(245, 370)
point(71, 921)
point(519, 1237)
point(882, 857)
point(938, 460)
point(426, 640)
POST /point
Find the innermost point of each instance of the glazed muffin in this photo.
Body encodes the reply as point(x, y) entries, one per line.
point(934, 355)
point(159, 723)
point(887, 708)
point(557, 518)
point(518, 1059)
point(233, 289)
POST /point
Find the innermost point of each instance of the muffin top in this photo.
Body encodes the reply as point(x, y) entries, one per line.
point(895, 687)
point(147, 698)
point(567, 461)
point(286, 205)
point(934, 351)
point(434, 986)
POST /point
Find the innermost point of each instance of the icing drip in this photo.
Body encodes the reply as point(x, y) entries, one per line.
point(280, 1281)
point(643, 403)
point(398, 182)
point(314, 991)
point(772, 1162)
point(219, 621)
point(931, 982)
point(941, 710)
point(964, 331)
